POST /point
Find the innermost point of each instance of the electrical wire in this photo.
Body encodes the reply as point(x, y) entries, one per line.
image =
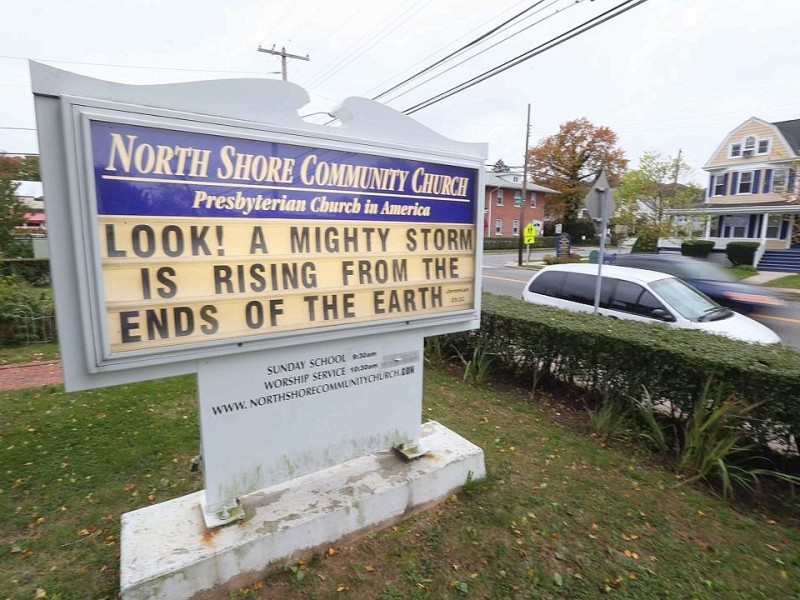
point(550, 44)
point(442, 49)
point(378, 36)
point(463, 48)
point(469, 58)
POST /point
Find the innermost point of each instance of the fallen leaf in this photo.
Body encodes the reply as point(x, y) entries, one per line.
point(40, 593)
point(331, 551)
point(369, 568)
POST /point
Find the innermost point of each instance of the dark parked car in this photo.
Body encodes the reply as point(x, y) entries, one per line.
point(711, 279)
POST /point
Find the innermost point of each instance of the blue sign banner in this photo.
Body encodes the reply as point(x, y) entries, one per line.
point(149, 171)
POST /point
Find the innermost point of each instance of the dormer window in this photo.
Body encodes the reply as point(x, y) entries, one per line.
point(749, 146)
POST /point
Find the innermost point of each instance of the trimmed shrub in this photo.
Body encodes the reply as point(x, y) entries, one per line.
point(697, 248)
point(512, 243)
point(602, 356)
point(560, 260)
point(741, 253)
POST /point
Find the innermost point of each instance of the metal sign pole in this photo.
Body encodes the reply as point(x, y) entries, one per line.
point(601, 256)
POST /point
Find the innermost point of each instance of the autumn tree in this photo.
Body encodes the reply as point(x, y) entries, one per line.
point(20, 168)
point(570, 160)
point(646, 196)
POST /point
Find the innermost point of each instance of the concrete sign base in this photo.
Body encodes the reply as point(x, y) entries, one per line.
point(168, 553)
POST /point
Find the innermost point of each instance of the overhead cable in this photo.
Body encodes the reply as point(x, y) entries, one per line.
point(466, 46)
point(550, 44)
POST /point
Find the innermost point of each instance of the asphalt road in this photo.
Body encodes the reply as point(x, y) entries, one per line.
point(498, 278)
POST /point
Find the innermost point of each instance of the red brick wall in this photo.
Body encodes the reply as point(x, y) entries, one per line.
point(509, 212)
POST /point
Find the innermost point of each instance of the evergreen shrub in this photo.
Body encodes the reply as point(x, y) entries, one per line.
point(697, 248)
point(741, 253)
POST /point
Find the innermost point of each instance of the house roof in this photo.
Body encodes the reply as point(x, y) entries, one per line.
point(791, 131)
point(491, 179)
point(34, 217)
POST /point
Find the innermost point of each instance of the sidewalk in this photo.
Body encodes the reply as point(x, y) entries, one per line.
point(26, 375)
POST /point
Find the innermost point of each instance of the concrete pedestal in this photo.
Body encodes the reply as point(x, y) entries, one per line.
point(168, 553)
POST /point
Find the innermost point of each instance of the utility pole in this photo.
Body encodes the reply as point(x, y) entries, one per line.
point(677, 171)
point(524, 187)
point(284, 55)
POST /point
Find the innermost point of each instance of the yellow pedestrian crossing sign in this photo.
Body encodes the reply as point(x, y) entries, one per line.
point(529, 234)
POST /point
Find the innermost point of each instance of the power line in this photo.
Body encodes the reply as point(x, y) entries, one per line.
point(452, 43)
point(469, 58)
point(378, 36)
point(550, 44)
point(466, 46)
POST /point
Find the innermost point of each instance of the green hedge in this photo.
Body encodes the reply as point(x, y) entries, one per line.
point(741, 253)
point(27, 313)
point(35, 271)
point(697, 248)
point(602, 355)
point(512, 243)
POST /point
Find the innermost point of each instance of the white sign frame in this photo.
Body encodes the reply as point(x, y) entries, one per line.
point(64, 104)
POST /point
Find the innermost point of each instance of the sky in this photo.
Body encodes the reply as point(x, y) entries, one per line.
point(667, 75)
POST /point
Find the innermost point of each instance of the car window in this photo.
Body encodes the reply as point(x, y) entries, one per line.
point(684, 299)
point(662, 266)
point(635, 299)
point(704, 270)
point(579, 287)
point(548, 283)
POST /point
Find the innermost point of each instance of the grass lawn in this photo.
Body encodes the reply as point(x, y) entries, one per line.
point(790, 281)
point(560, 515)
point(28, 353)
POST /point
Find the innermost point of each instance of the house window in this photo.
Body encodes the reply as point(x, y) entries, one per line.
point(735, 226)
point(749, 146)
point(763, 146)
point(745, 182)
point(719, 184)
point(774, 226)
point(498, 227)
point(515, 226)
point(779, 181)
point(499, 197)
point(736, 150)
point(533, 200)
point(517, 199)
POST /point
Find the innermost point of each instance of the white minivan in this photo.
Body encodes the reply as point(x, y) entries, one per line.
point(641, 295)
